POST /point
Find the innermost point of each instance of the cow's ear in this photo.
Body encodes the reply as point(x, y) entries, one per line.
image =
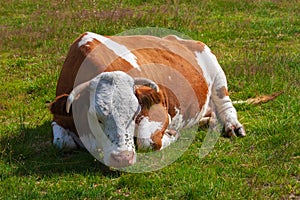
point(58, 106)
point(147, 96)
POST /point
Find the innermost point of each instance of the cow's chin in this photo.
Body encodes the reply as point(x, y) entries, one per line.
point(120, 159)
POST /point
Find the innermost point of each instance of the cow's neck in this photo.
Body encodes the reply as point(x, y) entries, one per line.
point(169, 101)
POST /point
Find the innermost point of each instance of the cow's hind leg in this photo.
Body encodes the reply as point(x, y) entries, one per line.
point(217, 81)
point(224, 108)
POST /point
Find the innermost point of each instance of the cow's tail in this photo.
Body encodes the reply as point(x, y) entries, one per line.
point(259, 99)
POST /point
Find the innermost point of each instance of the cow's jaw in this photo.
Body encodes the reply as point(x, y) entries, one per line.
point(114, 155)
point(119, 150)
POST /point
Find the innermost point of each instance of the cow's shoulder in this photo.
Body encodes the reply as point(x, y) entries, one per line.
point(87, 42)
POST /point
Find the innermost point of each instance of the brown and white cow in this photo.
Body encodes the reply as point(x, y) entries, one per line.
point(141, 86)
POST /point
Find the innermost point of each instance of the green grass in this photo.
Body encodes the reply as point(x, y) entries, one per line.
point(256, 42)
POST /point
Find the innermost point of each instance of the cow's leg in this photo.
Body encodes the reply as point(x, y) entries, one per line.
point(145, 143)
point(152, 129)
point(151, 135)
point(62, 138)
point(209, 113)
point(216, 78)
point(224, 108)
point(169, 137)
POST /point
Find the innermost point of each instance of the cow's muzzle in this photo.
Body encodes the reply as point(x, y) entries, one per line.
point(122, 159)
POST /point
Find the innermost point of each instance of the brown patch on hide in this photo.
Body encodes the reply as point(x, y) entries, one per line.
point(222, 92)
point(157, 139)
point(169, 100)
point(58, 106)
point(147, 96)
point(89, 46)
point(159, 114)
point(66, 122)
point(201, 46)
point(85, 62)
point(190, 44)
point(152, 107)
point(177, 63)
point(119, 64)
point(60, 115)
point(72, 64)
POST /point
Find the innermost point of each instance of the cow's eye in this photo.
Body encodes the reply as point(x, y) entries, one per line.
point(100, 122)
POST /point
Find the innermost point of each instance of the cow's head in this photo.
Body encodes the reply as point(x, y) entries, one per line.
point(114, 104)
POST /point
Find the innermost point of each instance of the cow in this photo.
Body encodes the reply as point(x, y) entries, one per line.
point(137, 91)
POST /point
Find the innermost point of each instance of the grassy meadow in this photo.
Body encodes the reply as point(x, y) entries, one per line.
point(257, 42)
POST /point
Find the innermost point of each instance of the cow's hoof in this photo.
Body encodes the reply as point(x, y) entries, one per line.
point(235, 132)
point(240, 132)
point(172, 133)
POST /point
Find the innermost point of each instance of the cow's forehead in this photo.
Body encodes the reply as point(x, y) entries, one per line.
point(114, 94)
point(116, 77)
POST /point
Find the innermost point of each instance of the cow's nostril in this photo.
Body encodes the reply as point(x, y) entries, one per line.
point(128, 154)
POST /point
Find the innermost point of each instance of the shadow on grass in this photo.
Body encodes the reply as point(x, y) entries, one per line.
point(30, 151)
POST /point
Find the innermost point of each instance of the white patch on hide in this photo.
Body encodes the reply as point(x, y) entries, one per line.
point(84, 40)
point(118, 49)
point(208, 63)
point(145, 130)
point(168, 139)
point(216, 78)
point(176, 37)
point(177, 121)
point(62, 138)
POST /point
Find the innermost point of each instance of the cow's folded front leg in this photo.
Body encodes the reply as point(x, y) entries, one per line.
point(169, 137)
point(156, 141)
